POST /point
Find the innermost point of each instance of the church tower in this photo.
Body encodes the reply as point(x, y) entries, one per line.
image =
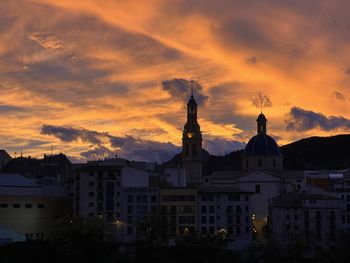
point(192, 145)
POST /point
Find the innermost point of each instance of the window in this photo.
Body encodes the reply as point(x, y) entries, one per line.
point(203, 219)
point(41, 205)
point(90, 214)
point(91, 184)
point(3, 205)
point(16, 205)
point(211, 219)
point(186, 151)
point(130, 199)
point(203, 209)
point(194, 150)
point(129, 219)
point(129, 229)
point(257, 188)
point(211, 209)
point(247, 163)
point(274, 162)
point(91, 204)
point(130, 208)
point(144, 199)
point(91, 194)
point(154, 199)
point(204, 230)
point(259, 162)
point(91, 173)
point(238, 230)
point(229, 219)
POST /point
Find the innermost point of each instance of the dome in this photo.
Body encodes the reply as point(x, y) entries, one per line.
point(263, 145)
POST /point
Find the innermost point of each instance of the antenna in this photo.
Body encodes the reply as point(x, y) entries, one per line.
point(21, 151)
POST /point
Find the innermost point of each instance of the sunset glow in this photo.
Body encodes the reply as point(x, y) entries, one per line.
point(96, 78)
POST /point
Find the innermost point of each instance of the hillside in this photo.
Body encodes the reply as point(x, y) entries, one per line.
point(307, 154)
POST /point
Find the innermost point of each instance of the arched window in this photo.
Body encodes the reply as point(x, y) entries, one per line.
point(259, 162)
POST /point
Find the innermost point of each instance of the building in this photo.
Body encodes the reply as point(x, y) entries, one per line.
point(225, 212)
point(139, 212)
point(31, 207)
point(179, 210)
point(306, 217)
point(56, 166)
point(4, 158)
point(262, 151)
point(192, 146)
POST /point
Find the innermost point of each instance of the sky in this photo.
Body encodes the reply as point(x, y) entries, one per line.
point(93, 79)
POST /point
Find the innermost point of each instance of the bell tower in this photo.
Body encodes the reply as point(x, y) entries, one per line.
point(192, 145)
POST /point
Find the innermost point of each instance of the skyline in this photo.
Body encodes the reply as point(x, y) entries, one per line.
point(94, 77)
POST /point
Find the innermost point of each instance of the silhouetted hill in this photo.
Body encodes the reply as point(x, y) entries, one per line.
point(307, 154)
point(318, 153)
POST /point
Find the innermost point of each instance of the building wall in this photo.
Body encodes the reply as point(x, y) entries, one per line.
point(227, 215)
point(33, 216)
point(179, 210)
point(272, 163)
point(317, 223)
point(131, 177)
point(264, 187)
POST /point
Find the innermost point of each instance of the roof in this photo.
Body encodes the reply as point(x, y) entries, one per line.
point(216, 189)
point(15, 184)
point(262, 145)
point(295, 199)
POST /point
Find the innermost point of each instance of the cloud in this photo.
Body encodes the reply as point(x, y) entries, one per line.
point(69, 134)
point(128, 147)
point(251, 60)
point(338, 95)
point(304, 120)
point(180, 89)
point(98, 153)
point(220, 146)
point(261, 101)
point(47, 41)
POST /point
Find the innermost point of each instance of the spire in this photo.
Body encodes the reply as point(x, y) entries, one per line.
point(261, 123)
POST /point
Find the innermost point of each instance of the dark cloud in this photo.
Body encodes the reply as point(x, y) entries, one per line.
point(261, 101)
point(338, 95)
point(181, 89)
point(69, 134)
point(244, 33)
point(303, 120)
point(11, 108)
point(251, 60)
point(127, 146)
point(220, 146)
point(100, 152)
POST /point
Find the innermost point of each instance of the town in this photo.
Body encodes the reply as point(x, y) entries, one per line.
point(134, 201)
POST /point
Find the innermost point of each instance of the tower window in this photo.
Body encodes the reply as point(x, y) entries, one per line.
point(259, 162)
point(257, 188)
point(194, 150)
point(274, 162)
point(247, 163)
point(186, 152)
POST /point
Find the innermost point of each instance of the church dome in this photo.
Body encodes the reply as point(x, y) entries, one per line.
point(262, 145)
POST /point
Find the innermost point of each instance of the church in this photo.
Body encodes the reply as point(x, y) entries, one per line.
point(262, 171)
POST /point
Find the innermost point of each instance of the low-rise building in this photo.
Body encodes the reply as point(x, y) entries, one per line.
point(31, 207)
point(179, 210)
point(306, 217)
point(225, 212)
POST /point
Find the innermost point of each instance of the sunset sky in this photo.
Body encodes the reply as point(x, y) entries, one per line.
point(95, 78)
